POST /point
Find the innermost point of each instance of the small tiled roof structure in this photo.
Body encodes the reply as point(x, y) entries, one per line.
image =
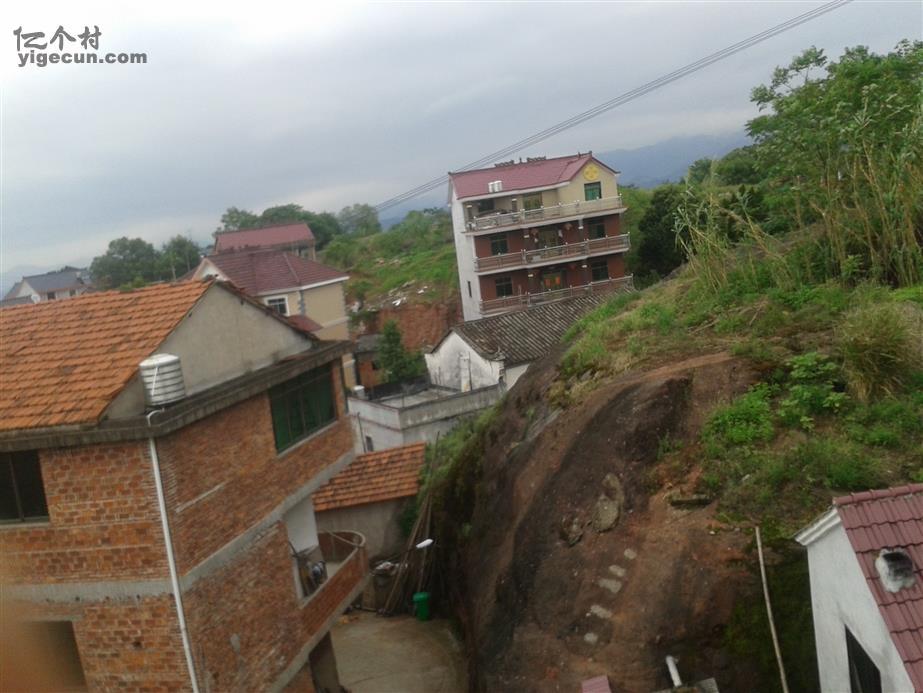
point(292, 235)
point(62, 280)
point(890, 519)
point(267, 271)
point(373, 477)
point(17, 301)
point(304, 323)
point(526, 335)
point(527, 175)
point(62, 362)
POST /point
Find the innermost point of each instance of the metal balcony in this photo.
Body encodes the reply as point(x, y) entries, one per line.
point(532, 217)
point(525, 258)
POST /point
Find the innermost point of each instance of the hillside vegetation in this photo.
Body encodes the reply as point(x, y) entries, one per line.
point(803, 259)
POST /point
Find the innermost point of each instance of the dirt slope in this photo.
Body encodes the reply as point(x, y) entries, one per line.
point(553, 596)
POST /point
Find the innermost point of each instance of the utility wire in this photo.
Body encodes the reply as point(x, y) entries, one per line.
point(620, 100)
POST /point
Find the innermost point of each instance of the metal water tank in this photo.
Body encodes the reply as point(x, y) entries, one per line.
point(162, 375)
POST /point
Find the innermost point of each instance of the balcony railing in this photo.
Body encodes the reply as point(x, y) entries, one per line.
point(542, 214)
point(609, 244)
point(338, 564)
point(499, 305)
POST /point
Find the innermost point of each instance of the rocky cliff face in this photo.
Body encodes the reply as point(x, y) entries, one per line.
point(582, 558)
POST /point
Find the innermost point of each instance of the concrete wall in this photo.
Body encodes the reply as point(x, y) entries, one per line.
point(378, 522)
point(468, 285)
point(841, 598)
point(388, 425)
point(457, 365)
point(574, 191)
point(223, 337)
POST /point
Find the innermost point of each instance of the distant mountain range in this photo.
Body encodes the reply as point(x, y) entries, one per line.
point(667, 161)
point(645, 167)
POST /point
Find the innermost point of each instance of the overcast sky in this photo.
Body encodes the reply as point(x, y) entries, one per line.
point(328, 104)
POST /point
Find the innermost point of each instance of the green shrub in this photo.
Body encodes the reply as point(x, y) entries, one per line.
point(839, 465)
point(890, 423)
point(813, 379)
point(881, 346)
point(745, 421)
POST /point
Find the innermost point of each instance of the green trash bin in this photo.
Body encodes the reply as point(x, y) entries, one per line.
point(421, 605)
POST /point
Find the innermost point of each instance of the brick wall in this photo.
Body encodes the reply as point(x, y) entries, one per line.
point(248, 620)
point(222, 474)
point(421, 324)
point(104, 523)
point(124, 645)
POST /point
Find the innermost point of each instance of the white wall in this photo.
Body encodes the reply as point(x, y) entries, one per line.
point(378, 522)
point(301, 525)
point(840, 598)
point(455, 364)
point(464, 255)
point(515, 373)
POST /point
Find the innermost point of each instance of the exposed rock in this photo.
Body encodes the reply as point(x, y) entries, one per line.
point(617, 570)
point(606, 514)
point(631, 554)
point(613, 586)
point(572, 528)
point(692, 500)
point(600, 611)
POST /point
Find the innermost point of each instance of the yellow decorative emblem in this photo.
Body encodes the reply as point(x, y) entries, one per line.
point(591, 172)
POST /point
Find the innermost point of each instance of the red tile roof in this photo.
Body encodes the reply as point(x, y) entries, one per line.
point(62, 362)
point(304, 323)
point(372, 477)
point(524, 176)
point(265, 237)
point(265, 271)
point(892, 518)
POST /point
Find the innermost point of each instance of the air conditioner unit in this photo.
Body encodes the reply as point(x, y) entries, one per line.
point(495, 186)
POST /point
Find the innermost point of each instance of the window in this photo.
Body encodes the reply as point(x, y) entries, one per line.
point(369, 445)
point(485, 206)
point(22, 493)
point(552, 281)
point(504, 286)
point(469, 289)
point(278, 304)
point(72, 293)
point(498, 244)
point(51, 295)
point(301, 406)
point(533, 201)
point(864, 676)
point(599, 269)
point(596, 229)
point(592, 191)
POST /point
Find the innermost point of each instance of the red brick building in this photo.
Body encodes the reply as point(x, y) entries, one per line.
point(170, 547)
point(537, 231)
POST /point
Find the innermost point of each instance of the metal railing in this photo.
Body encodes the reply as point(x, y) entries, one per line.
point(497, 305)
point(534, 216)
point(556, 252)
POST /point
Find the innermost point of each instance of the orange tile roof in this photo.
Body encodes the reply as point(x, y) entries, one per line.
point(374, 476)
point(62, 362)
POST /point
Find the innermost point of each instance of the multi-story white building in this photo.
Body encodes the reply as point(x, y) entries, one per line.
point(537, 231)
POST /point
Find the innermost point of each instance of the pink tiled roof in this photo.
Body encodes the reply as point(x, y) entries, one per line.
point(891, 518)
point(304, 323)
point(524, 176)
point(263, 271)
point(265, 237)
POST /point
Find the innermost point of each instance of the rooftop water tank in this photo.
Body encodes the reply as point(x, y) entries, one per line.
point(162, 375)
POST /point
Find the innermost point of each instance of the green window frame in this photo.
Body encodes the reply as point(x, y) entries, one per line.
point(499, 245)
point(592, 191)
point(596, 229)
point(22, 491)
point(302, 405)
point(532, 201)
point(599, 270)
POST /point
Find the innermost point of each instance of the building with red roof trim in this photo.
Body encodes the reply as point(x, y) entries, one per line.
point(866, 562)
point(170, 545)
point(295, 238)
point(535, 231)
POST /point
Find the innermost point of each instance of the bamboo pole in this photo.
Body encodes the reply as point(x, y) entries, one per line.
point(772, 625)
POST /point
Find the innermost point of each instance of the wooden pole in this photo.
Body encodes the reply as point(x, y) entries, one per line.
point(772, 625)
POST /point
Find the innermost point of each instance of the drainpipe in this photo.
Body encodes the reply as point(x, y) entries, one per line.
point(171, 560)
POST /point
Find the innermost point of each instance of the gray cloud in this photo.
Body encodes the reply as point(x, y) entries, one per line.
point(358, 104)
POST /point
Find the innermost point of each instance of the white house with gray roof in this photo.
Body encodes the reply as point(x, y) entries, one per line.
point(50, 286)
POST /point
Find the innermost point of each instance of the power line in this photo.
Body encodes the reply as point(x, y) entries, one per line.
point(620, 100)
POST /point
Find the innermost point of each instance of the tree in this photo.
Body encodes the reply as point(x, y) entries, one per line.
point(127, 261)
point(658, 252)
point(178, 256)
point(324, 225)
point(842, 143)
point(359, 219)
point(235, 219)
point(738, 167)
point(398, 363)
point(700, 171)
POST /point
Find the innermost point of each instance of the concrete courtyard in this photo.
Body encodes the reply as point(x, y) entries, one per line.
point(397, 654)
